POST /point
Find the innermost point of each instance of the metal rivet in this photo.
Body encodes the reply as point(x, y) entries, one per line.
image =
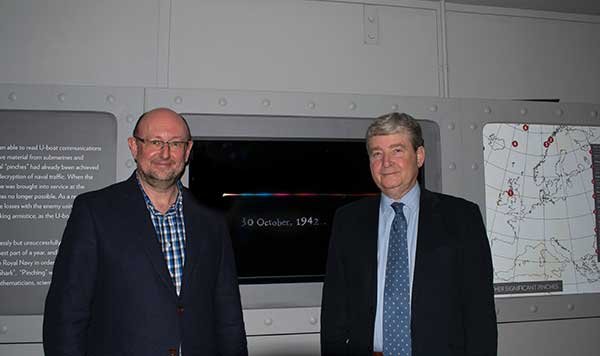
point(129, 163)
point(130, 118)
point(433, 108)
point(3, 329)
point(594, 113)
point(523, 111)
point(312, 320)
point(395, 107)
point(452, 166)
point(222, 101)
point(311, 105)
point(178, 100)
point(473, 126)
point(474, 166)
point(61, 97)
point(571, 307)
point(266, 103)
point(487, 110)
point(110, 99)
point(371, 19)
point(268, 321)
point(451, 126)
point(352, 106)
point(533, 308)
point(558, 112)
point(12, 96)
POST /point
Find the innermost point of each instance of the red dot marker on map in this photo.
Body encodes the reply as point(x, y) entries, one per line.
point(550, 139)
point(546, 144)
point(515, 143)
point(510, 192)
point(525, 127)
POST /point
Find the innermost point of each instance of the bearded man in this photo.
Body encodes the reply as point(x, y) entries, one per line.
point(143, 268)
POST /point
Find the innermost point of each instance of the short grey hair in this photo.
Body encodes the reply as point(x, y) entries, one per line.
point(393, 123)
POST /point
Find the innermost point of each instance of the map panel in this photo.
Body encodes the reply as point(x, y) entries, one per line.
point(541, 204)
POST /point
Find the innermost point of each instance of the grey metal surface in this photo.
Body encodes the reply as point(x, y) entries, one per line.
point(218, 113)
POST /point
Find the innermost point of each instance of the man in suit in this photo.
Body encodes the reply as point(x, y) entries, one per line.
point(428, 295)
point(143, 268)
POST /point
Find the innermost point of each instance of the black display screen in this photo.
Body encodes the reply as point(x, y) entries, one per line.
point(279, 198)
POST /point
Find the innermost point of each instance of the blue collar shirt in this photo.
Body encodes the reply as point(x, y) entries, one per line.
point(170, 230)
point(386, 216)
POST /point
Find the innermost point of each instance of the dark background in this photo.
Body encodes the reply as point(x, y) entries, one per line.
point(271, 254)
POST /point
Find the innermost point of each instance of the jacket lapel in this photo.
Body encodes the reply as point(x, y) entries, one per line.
point(193, 240)
point(429, 231)
point(141, 224)
point(369, 246)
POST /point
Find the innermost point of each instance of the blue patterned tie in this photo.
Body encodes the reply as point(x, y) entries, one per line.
point(396, 303)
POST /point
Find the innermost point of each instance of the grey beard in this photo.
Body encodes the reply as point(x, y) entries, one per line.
point(159, 183)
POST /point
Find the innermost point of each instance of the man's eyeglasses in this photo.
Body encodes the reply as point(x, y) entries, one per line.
point(159, 144)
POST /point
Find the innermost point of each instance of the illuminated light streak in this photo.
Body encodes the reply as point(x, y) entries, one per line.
point(281, 195)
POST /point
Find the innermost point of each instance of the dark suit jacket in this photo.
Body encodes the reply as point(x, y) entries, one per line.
point(452, 304)
point(111, 292)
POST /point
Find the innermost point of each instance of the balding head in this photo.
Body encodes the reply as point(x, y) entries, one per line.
point(161, 145)
point(160, 111)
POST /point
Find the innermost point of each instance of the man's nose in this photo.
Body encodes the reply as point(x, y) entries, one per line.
point(386, 160)
point(165, 151)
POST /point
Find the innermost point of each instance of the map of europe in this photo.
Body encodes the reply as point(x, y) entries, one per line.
point(541, 206)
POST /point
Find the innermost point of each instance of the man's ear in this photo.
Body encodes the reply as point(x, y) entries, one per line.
point(188, 151)
point(420, 156)
point(131, 142)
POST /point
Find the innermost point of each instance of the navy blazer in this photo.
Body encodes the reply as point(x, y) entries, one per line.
point(111, 292)
point(452, 307)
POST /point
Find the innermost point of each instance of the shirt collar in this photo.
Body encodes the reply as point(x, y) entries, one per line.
point(173, 209)
point(410, 200)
